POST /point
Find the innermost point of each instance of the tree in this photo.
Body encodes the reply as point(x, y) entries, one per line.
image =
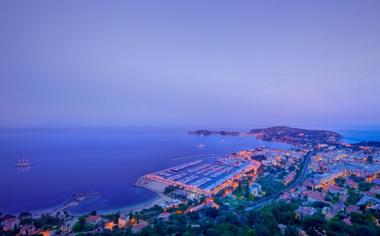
point(291, 231)
point(211, 212)
point(369, 159)
point(148, 231)
point(362, 219)
point(364, 224)
point(26, 214)
point(194, 216)
point(78, 226)
point(264, 222)
point(340, 181)
point(212, 232)
point(169, 189)
point(364, 186)
point(337, 227)
point(47, 221)
point(270, 185)
point(314, 225)
point(114, 217)
point(284, 212)
point(353, 197)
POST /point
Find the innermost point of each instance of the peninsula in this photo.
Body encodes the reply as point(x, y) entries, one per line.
point(294, 136)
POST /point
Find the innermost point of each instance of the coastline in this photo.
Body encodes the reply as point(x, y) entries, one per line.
point(155, 187)
point(156, 200)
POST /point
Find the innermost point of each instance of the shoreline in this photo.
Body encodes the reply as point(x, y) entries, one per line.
point(156, 200)
point(155, 188)
point(65, 206)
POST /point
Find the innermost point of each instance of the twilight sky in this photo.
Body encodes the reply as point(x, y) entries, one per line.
point(189, 63)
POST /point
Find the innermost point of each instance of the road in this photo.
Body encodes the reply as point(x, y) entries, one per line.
point(263, 201)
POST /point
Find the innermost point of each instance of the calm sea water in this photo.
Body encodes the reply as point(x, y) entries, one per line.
point(354, 134)
point(69, 161)
point(66, 162)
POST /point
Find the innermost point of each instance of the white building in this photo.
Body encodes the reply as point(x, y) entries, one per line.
point(255, 190)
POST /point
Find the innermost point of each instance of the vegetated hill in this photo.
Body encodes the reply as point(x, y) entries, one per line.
point(296, 136)
point(208, 132)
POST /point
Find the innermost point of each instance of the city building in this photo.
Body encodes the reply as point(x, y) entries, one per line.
point(93, 219)
point(303, 211)
point(255, 189)
point(10, 223)
point(290, 177)
point(313, 196)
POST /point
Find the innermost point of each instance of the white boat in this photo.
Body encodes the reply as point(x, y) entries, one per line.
point(23, 163)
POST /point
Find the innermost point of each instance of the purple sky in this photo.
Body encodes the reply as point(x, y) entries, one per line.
point(189, 63)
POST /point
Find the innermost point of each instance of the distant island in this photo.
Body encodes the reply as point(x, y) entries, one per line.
point(294, 136)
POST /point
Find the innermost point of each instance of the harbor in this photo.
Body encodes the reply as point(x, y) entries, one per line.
point(200, 176)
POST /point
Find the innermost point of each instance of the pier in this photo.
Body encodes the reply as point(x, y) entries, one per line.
point(193, 156)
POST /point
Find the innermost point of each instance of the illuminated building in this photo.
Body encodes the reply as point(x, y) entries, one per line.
point(109, 225)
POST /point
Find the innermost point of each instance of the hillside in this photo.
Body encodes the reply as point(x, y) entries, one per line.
point(296, 136)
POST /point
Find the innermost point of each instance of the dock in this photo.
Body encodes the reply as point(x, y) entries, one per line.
point(193, 156)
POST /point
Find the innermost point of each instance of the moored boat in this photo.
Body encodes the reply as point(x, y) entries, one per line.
point(23, 163)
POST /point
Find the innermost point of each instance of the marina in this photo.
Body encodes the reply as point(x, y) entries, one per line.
point(204, 177)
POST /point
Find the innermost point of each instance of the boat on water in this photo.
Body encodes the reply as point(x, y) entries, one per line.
point(23, 163)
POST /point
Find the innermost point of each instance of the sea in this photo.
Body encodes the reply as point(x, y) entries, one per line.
point(67, 161)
